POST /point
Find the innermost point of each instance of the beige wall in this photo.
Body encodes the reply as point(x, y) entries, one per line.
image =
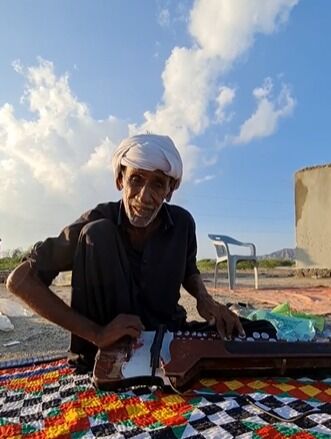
point(313, 217)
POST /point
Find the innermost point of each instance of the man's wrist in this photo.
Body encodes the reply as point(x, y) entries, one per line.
point(96, 335)
point(202, 295)
point(93, 333)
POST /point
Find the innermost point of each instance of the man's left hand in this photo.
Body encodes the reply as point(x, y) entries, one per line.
point(227, 322)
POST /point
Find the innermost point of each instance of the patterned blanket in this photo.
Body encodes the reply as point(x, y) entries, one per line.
point(50, 400)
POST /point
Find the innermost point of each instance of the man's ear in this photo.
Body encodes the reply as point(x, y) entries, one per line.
point(171, 189)
point(119, 179)
point(168, 197)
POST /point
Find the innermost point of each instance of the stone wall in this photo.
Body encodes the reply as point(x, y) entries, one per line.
point(313, 218)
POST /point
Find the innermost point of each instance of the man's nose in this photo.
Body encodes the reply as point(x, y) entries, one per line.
point(145, 194)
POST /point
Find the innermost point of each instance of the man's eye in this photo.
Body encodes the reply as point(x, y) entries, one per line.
point(158, 185)
point(135, 180)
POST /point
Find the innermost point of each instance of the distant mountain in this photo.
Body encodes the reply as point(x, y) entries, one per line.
point(284, 253)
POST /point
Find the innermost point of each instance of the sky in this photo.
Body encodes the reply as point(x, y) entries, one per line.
point(241, 86)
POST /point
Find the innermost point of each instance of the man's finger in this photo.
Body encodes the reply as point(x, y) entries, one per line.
point(220, 327)
point(239, 327)
point(134, 328)
point(211, 321)
point(132, 332)
point(134, 322)
point(229, 325)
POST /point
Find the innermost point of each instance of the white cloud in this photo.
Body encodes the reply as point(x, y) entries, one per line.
point(62, 155)
point(164, 17)
point(264, 90)
point(264, 121)
point(225, 97)
point(60, 158)
point(226, 29)
point(183, 113)
point(204, 179)
point(222, 31)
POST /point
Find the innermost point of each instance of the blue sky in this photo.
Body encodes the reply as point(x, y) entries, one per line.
point(242, 87)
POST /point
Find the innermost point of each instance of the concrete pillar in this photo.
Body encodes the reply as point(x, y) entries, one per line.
point(313, 217)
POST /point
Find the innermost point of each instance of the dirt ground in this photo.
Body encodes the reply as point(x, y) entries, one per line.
point(35, 336)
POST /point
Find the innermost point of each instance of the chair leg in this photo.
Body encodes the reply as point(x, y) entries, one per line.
point(256, 277)
point(232, 273)
point(215, 275)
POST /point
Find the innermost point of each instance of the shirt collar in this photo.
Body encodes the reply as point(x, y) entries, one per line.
point(166, 216)
point(168, 219)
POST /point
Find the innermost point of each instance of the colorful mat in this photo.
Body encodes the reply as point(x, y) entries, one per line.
point(50, 401)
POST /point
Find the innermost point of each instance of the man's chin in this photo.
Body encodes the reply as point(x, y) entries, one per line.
point(141, 222)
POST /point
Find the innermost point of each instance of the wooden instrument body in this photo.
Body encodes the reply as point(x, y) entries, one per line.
point(191, 357)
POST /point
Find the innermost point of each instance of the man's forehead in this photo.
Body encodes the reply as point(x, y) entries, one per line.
point(150, 174)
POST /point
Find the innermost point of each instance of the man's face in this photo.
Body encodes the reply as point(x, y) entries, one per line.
point(143, 194)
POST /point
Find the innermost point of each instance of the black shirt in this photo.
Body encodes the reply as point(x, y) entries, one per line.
point(167, 260)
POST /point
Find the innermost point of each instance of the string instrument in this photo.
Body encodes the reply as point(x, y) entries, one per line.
point(183, 357)
point(194, 354)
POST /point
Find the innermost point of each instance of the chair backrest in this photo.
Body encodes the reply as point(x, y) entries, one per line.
point(226, 239)
point(222, 242)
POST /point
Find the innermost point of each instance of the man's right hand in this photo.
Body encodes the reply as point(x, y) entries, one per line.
point(121, 325)
point(24, 283)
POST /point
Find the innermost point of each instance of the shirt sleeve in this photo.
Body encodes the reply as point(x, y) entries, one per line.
point(48, 258)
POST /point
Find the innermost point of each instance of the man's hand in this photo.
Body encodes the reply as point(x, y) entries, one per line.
point(121, 325)
point(227, 322)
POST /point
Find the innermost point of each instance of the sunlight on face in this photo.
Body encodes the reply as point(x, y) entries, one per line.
point(143, 194)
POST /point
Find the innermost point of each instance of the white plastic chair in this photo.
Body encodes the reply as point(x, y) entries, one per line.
point(221, 243)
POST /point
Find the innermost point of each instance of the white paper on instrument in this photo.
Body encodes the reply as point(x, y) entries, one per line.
point(139, 362)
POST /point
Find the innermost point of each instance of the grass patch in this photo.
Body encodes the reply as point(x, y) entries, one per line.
point(273, 263)
point(208, 265)
point(9, 263)
point(204, 265)
point(12, 260)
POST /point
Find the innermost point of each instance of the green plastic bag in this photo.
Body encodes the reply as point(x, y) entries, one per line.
point(288, 328)
point(285, 309)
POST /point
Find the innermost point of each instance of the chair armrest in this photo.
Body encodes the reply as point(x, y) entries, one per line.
point(252, 247)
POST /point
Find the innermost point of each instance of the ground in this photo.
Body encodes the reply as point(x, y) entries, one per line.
point(37, 336)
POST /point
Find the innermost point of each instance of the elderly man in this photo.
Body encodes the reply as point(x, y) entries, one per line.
point(128, 258)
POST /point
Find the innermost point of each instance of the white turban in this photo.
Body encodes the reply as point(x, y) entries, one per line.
point(150, 152)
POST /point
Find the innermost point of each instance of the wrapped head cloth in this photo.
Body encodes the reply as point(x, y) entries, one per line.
point(150, 152)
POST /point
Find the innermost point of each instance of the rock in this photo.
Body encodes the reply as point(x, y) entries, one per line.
point(5, 324)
